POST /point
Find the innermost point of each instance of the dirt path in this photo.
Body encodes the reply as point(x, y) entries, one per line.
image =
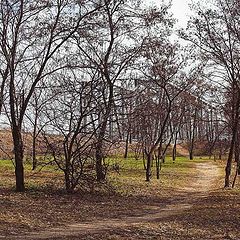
point(200, 187)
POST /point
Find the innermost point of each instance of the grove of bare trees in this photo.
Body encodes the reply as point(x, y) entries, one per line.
point(83, 76)
point(215, 32)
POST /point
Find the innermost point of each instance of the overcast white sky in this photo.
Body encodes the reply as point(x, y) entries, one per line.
point(180, 9)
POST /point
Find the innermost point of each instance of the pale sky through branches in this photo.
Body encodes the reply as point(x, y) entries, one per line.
point(180, 10)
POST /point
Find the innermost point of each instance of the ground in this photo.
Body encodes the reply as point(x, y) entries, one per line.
point(187, 203)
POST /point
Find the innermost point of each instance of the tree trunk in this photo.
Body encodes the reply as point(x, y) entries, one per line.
point(238, 167)
point(237, 173)
point(229, 161)
point(220, 151)
point(158, 160)
point(191, 153)
point(235, 178)
point(174, 151)
point(163, 159)
point(126, 145)
point(192, 138)
point(233, 142)
point(158, 163)
point(18, 153)
point(237, 159)
point(34, 158)
point(99, 163)
point(69, 181)
point(148, 168)
point(236, 149)
point(192, 146)
point(100, 171)
point(68, 184)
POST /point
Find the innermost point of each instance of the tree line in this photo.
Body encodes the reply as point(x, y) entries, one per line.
point(82, 76)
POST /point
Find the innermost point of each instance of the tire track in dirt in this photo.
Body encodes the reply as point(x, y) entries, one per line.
point(200, 187)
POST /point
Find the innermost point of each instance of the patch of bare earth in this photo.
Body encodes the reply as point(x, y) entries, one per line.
point(198, 211)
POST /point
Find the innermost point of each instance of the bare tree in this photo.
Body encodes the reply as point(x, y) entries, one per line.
point(215, 31)
point(69, 134)
point(32, 34)
point(112, 44)
point(164, 81)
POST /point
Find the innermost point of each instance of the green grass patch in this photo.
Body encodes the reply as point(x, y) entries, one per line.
point(131, 177)
point(126, 175)
point(6, 165)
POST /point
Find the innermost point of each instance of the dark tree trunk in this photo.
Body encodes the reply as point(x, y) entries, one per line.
point(220, 151)
point(233, 141)
point(158, 164)
point(237, 159)
point(192, 145)
point(163, 159)
point(99, 162)
point(130, 138)
point(235, 178)
point(238, 167)
point(236, 149)
point(191, 153)
point(237, 173)
point(158, 161)
point(18, 153)
point(100, 169)
point(229, 160)
point(192, 135)
point(68, 182)
point(174, 151)
point(34, 158)
point(148, 168)
point(126, 145)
